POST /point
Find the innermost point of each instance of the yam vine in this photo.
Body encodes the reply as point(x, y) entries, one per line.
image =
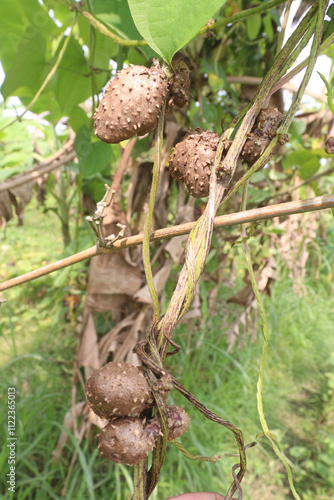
point(164, 107)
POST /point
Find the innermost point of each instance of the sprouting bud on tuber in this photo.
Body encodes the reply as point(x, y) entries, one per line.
point(329, 145)
point(180, 83)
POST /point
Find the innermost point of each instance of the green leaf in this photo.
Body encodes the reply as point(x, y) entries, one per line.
point(93, 156)
point(73, 84)
point(309, 168)
point(116, 14)
point(275, 175)
point(332, 209)
point(5, 173)
point(20, 21)
point(47, 104)
point(95, 188)
point(305, 160)
point(25, 76)
point(268, 26)
point(253, 25)
point(167, 26)
point(297, 128)
point(15, 158)
point(78, 118)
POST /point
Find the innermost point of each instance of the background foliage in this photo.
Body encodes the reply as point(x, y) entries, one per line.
point(41, 322)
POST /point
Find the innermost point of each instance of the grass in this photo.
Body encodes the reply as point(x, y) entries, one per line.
point(38, 343)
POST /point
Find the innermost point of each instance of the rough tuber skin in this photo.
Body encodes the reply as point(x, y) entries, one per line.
point(192, 160)
point(264, 129)
point(126, 440)
point(178, 421)
point(131, 104)
point(180, 83)
point(129, 440)
point(118, 389)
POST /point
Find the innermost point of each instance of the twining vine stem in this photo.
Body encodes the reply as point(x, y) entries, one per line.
point(200, 237)
point(240, 16)
point(140, 470)
point(150, 210)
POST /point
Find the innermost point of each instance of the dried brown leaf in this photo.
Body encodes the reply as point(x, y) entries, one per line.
point(160, 280)
point(108, 342)
point(111, 274)
point(125, 350)
point(175, 247)
point(23, 193)
point(88, 354)
point(69, 423)
point(100, 302)
point(5, 206)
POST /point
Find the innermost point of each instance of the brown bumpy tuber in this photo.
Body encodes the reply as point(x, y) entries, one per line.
point(180, 83)
point(192, 160)
point(178, 421)
point(131, 104)
point(127, 440)
point(264, 129)
point(118, 389)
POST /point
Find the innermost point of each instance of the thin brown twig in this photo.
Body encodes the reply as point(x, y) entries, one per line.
point(254, 215)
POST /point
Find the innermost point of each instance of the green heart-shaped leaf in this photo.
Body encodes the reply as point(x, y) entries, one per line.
point(167, 26)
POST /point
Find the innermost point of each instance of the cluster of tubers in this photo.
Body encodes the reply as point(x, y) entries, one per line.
point(119, 392)
point(192, 159)
point(132, 104)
